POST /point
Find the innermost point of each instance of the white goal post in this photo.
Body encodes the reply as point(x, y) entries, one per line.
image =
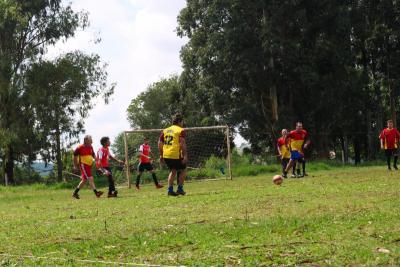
point(206, 146)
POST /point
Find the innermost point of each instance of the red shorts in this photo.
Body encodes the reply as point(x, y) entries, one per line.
point(86, 171)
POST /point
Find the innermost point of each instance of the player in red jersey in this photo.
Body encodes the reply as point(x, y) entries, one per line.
point(298, 141)
point(83, 159)
point(145, 159)
point(390, 137)
point(103, 166)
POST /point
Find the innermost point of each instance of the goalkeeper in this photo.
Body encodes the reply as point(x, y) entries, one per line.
point(145, 158)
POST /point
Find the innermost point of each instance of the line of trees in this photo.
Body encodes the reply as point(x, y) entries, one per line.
point(43, 102)
point(263, 65)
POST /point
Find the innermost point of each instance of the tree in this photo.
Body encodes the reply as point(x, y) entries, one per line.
point(61, 94)
point(26, 29)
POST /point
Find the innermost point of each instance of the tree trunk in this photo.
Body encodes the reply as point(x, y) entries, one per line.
point(9, 165)
point(371, 144)
point(345, 149)
point(58, 151)
point(357, 150)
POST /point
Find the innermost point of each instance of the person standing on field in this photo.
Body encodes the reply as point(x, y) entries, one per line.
point(172, 148)
point(145, 158)
point(390, 137)
point(83, 160)
point(103, 166)
point(283, 150)
point(298, 141)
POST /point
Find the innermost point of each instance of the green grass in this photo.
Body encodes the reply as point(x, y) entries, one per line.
point(336, 217)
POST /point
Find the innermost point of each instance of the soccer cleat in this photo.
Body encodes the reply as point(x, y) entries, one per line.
point(172, 193)
point(284, 174)
point(98, 194)
point(180, 192)
point(158, 186)
point(112, 194)
point(137, 187)
point(395, 167)
point(293, 175)
point(75, 195)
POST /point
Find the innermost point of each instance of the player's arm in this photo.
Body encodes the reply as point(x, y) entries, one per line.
point(397, 138)
point(381, 137)
point(99, 158)
point(307, 141)
point(151, 155)
point(76, 159)
point(117, 160)
point(279, 149)
point(287, 142)
point(182, 143)
point(161, 146)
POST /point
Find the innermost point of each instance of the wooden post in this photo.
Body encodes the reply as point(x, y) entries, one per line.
point(128, 175)
point(229, 157)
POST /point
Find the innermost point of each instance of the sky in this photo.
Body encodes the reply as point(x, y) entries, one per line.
point(140, 45)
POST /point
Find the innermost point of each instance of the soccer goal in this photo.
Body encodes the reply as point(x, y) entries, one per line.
point(208, 149)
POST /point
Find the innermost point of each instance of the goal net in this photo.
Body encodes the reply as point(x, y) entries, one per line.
point(208, 149)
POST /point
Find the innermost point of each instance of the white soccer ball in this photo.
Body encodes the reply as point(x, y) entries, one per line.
point(332, 154)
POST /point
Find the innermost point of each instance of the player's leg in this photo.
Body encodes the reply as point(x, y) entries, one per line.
point(395, 156)
point(171, 178)
point(140, 170)
point(388, 154)
point(294, 169)
point(284, 163)
point(181, 178)
point(84, 178)
point(171, 163)
point(288, 167)
point(153, 174)
point(93, 186)
point(88, 174)
point(303, 163)
point(112, 192)
point(80, 185)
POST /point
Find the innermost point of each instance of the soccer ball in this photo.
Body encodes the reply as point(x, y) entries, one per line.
point(332, 154)
point(277, 179)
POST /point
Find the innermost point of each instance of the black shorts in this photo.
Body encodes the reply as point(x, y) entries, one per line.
point(175, 164)
point(145, 166)
point(391, 152)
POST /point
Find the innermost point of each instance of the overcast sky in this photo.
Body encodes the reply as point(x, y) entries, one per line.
point(138, 41)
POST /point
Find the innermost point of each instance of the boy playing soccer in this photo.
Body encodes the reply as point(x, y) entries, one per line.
point(145, 158)
point(83, 159)
point(283, 150)
point(172, 148)
point(298, 141)
point(102, 164)
point(390, 138)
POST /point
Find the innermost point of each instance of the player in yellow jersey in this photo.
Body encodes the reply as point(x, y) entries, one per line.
point(283, 150)
point(172, 148)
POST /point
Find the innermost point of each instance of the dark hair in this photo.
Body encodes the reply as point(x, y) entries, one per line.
point(177, 118)
point(390, 121)
point(146, 138)
point(104, 140)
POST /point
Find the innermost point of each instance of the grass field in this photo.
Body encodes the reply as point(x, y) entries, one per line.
point(339, 217)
